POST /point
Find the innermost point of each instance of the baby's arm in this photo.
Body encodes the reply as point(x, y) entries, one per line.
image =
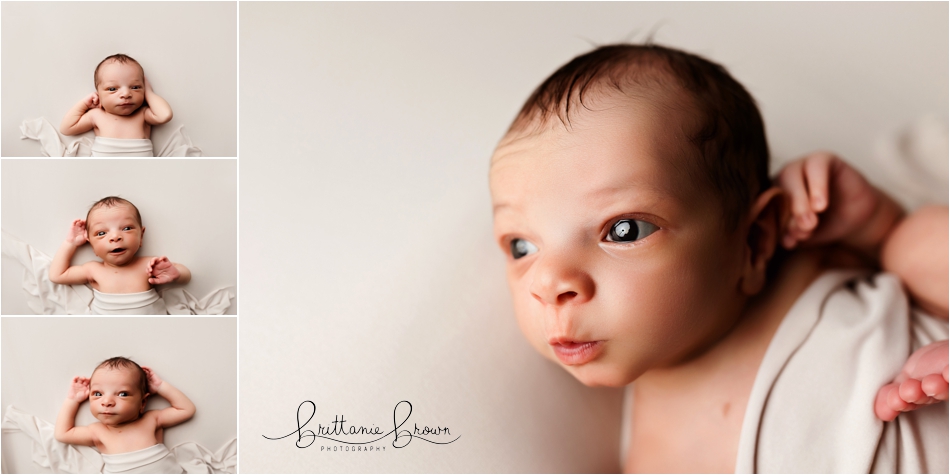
point(162, 271)
point(181, 408)
point(914, 248)
point(60, 272)
point(77, 120)
point(158, 112)
point(66, 430)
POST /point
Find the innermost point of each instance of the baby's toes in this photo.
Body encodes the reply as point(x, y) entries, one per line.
point(934, 386)
point(911, 392)
point(898, 403)
point(882, 408)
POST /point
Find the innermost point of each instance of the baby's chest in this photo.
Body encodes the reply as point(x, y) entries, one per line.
point(128, 438)
point(685, 434)
point(121, 280)
point(123, 127)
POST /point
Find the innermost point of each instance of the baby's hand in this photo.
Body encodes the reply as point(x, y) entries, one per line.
point(78, 389)
point(77, 233)
point(823, 183)
point(92, 101)
point(154, 382)
point(923, 381)
point(161, 271)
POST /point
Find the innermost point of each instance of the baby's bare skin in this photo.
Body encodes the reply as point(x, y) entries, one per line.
point(124, 105)
point(116, 236)
point(117, 403)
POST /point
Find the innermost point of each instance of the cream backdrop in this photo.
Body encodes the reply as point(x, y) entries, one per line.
point(367, 262)
point(196, 354)
point(188, 207)
point(188, 51)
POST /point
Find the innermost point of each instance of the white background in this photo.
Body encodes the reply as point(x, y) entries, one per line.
point(369, 271)
point(188, 208)
point(198, 355)
point(188, 51)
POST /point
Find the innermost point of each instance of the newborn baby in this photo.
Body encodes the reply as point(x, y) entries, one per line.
point(129, 438)
point(121, 112)
point(122, 282)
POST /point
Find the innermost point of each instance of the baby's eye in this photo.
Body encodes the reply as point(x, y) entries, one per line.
point(629, 230)
point(123, 393)
point(111, 89)
point(136, 87)
point(127, 228)
point(96, 393)
point(521, 248)
point(101, 233)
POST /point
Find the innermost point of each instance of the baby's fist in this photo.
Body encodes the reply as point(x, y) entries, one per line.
point(154, 382)
point(161, 271)
point(77, 233)
point(78, 389)
point(922, 381)
point(92, 101)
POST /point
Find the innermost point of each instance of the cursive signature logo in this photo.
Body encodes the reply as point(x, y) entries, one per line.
point(338, 430)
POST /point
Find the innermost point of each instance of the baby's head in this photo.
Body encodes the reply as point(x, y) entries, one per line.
point(630, 197)
point(120, 83)
point(114, 229)
point(118, 389)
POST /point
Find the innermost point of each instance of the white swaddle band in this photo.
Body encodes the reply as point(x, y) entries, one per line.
point(134, 303)
point(148, 457)
point(110, 147)
point(51, 144)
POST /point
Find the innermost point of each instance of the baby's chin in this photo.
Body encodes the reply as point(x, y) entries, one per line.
point(602, 373)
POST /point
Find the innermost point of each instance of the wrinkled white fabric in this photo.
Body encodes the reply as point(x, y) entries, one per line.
point(154, 459)
point(46, 298)
point(137, 303)
point(110, 147)
point(811, 409)
point(64, 458)
point(51, 143)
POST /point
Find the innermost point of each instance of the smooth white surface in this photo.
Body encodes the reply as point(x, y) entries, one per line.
point(366, 229)
point(188, 51)
point(188, 208)
point(40, 356)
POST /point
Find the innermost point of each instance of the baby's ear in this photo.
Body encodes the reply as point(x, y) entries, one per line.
point(767, 218)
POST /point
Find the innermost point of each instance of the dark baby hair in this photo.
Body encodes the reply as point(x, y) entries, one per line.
point(123, 362)
point(111, 202)
point(730, 136)
point(119, 58)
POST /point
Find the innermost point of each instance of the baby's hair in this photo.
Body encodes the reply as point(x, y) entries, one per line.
point(118, 58)
point(111, 202)
point(730, 136)
point(122, 362)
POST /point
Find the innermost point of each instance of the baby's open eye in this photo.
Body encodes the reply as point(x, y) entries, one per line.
point(629, 230)
point(127, 228)
point(96, 393)
point(521, 248)
point(101, 233)
point(123, 393)
point(111, 89)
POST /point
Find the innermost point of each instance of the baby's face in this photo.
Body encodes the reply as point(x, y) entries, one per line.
point(616, 258)
point(115, 234)
point(121, 87)
point(115, 395)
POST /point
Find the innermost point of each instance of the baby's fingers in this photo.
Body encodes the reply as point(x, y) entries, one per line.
point(912, 392)
point(817, 171)
point(792, 180)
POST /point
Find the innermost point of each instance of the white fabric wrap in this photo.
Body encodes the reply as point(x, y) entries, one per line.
point(51, 143)
point(110, 147)
point(49, 453)
point(154, 459)
point(46, 298)
point(137, 303)
point(811, 409)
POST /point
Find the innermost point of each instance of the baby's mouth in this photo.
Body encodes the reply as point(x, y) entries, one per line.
point(118, 250)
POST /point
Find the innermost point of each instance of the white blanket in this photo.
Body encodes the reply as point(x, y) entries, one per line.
point(136, 303)
point(110, 147)
point(154, 459)
point(64, 458)
point(51, 143)
point(46, 298)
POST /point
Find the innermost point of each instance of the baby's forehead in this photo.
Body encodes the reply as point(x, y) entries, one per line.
point(115, 66)
point(125, 373)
